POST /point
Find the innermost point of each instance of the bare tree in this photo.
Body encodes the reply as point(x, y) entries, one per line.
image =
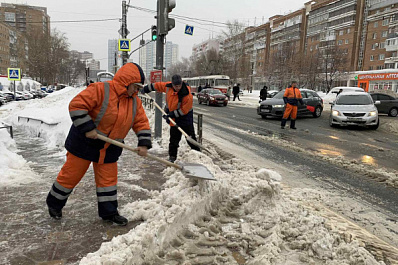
point(184, 68)
point(234, 48)
point(333, 64)
point(209, 63)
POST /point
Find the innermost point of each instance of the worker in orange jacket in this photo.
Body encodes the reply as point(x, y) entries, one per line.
point(110, 109)
point(291, 98)
point(179, 103)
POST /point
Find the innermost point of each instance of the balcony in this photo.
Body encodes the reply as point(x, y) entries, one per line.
point(392, 44)
point(391, 60)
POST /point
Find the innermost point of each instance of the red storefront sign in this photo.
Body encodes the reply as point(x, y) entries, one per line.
point(156, 76)
point(386, 76)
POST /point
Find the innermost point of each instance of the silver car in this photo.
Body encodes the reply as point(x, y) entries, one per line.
point(354, 108)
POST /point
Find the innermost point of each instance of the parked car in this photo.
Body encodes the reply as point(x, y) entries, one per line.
point(275, 107)
point(272, 93)
point(331, 96)
point(212, 97)
point(388, 104)
point(8, 95)
point(19, 96)
point(3, 99)
point(354, 108)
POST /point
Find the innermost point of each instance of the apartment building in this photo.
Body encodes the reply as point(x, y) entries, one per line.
point(25, 18)
point(382, 38)
point(203, 47)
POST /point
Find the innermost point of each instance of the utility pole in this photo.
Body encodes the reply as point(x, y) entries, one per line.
point(164, 25)
point(124, 32)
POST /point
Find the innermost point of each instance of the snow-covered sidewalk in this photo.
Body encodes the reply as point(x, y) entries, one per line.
point(243, 218)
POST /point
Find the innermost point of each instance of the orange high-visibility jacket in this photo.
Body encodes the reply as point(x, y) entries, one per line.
point(178, 105)
point(107, 108)
point(292, 96)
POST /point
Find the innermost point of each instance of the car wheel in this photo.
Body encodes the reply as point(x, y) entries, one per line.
point(208, 103)
point(318, 112)
point(199, 101)
point(225, 104)
point(393, 112)
point(263, 116)
point(374, 127)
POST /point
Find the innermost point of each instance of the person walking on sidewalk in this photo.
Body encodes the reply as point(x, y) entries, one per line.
point(291, 98)
point(235, 91)
point(110, 109)
point(263, 93)
point(179, 102)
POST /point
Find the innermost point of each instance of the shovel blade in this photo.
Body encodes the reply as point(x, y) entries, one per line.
point(197, 171)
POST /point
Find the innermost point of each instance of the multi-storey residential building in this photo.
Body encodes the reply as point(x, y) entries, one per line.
point(25, 18)
point(113, 55)
point(382, 21)
point(4, 48)
point(203, 47)
point(147, 57)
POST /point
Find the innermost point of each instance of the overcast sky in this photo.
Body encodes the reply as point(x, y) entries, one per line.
point(93, 36)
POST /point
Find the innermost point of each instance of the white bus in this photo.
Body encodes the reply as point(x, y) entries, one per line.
point(220, 82)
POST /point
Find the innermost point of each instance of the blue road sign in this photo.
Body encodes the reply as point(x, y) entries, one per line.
point(124, 45)
point(189, 30)
point(14, 74)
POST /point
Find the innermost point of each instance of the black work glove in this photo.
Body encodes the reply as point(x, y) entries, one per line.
point(167, 118)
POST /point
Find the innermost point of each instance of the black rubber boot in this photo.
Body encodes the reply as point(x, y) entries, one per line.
point(172, 159)
point(283, 123)
point(55, 213)
point(116, 219)
point(293, 124)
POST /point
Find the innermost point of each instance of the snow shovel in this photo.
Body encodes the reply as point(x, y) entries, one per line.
point(189, 139)
point(190, 170)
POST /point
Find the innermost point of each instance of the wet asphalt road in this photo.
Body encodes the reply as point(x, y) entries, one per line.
point(377, 148)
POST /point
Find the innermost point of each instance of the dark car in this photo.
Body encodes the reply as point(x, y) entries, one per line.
point(212, 97)
point(388, 104)
point(274, 107)
point(8, 96)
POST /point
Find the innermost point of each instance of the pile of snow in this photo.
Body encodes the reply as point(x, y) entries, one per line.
point(14, 169)
point(244, 217)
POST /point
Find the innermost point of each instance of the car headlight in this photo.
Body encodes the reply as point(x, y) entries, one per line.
point(335, 113)
point(373, 113)
point(211, 98)
point(278, 106)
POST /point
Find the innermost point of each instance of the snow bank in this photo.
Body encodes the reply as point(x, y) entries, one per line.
point(14, 170)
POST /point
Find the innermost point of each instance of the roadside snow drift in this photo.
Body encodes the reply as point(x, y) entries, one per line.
point(243, 218)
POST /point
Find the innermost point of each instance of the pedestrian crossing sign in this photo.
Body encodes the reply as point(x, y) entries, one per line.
point(14, 74)
point(189, 30)
point(124, 45)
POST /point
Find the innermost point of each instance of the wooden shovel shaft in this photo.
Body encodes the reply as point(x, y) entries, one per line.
point(189, 138)
point(111, 141)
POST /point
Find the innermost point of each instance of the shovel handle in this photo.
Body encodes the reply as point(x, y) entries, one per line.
point(192, 141)
point(111, 141)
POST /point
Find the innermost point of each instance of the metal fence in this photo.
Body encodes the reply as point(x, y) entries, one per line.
point(148, 103)
point(9, 129)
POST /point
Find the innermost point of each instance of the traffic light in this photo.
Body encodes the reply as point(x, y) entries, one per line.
point(165, 24)
point(154, 33)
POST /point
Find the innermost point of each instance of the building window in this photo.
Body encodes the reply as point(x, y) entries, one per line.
point(385, 22)
point(346, 41)
point(9, 17)
point(370, 67)
point(382, 45)
point(380, 67)
point(381, 56)
point(372, 57)
point(348, 31)
point(341, 32)
point(384, 34)
point(373, 46)
point(376, 24)
point(374, 36)
point(340, 42)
